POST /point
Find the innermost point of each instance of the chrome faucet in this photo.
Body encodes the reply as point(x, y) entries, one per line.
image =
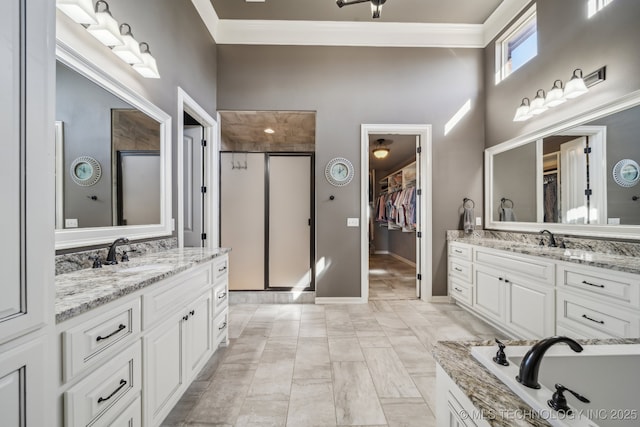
point(111, 256)
point(552, 239)
point(530, 364)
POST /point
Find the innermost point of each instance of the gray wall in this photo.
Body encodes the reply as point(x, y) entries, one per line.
point(567, 39)
point(514, 173)
point(85, 109)
point(403, 244)
point(350, 86)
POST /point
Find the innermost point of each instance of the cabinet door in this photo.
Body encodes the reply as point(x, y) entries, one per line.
point(530, 309)
point(198, 334)
point(163, 368)
point(489, 292)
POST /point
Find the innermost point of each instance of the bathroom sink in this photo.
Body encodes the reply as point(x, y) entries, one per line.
point(607, 375)
point(146, 267)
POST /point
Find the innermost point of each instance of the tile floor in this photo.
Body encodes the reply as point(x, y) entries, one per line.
point(391, 279)
point(328, 365)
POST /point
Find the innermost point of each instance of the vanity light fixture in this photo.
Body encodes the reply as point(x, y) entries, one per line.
point(576, 86)
point(522, 113)
point(81, 11)
point(129, 51)
point(555, 96)
point(106, 30)
point(148, 67)
point(537, 105)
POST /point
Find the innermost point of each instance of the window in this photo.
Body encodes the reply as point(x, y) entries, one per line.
point(595, 6)
point(518, 45)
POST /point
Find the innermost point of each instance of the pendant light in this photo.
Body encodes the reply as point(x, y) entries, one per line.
point(522, 113)
point(81, 11)
point(537, 105)
point(106, 30)
point(148, 67)
point(555, 96)
point(576, 86)
point(129, 51)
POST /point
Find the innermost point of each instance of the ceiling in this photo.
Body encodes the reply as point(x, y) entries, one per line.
point(422, 11)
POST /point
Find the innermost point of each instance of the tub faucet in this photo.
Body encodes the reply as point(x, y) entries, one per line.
point(111, 256)
point(530, 364)
point(552, 239)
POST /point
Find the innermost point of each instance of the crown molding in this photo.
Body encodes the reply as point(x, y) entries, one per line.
point(341, 33)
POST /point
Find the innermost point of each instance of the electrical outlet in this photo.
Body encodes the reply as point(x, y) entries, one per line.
point(613, 221)
point(173, 224)
point(71, 223)
point(478, 220)
point(353, 222)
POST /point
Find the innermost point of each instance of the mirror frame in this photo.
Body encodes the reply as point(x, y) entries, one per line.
point(90, 236)
point(607, 231)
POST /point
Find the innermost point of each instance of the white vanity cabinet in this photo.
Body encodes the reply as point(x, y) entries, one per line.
point(127, 362)
point(26, 297)
point(513, 292)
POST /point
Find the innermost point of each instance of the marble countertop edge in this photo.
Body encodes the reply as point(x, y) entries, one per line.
point(83, 290)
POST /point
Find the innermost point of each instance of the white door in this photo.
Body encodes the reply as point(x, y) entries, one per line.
point(289, 221)
point(193, 184)
point(242, 218)
point(573, 181)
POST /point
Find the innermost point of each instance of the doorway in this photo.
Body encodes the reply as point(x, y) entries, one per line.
point(418, 231)
point(197, 171)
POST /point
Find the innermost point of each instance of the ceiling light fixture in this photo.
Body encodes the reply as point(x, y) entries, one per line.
point(380, 152)
point(376, 5)
point(106, 30)
point(81, 11)
point(269, 131)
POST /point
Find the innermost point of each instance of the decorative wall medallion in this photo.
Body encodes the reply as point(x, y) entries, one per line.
point(339, 172)
point(85, 171)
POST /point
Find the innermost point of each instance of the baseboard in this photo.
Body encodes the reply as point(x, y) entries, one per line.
point(403, 259)
point(381, 252)
point(271, 297)
point(340, 300)
point(441, 299)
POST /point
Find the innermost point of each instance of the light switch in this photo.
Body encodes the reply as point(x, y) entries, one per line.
point(353, 222)
point(613, 221)
point(71, 223)
point(478, 220)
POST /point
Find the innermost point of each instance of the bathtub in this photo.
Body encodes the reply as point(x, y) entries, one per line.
point(608, 375)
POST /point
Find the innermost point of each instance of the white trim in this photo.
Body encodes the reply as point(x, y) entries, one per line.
point(424, 132)
point(344, 33)
point(338, 33)
point(381, 253)
point(501, 17)
point(59, 150)
point(212, 175)
point(610, 231)
point(71, 238)
point(340, 300)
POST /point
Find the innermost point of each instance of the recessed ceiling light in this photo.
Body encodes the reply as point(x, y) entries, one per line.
point(269, 130)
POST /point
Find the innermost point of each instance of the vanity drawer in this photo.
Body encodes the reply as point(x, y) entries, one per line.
point(597, 320)
point(532, 268)
point(459, 250)
point(221, 328)
point(179, 290)
point(130, 417)
point(618, 288)
point(462, 270)
point(221, 266)
point(91, 340)
point(107, 392)
point(220, 297)
point(460, 291)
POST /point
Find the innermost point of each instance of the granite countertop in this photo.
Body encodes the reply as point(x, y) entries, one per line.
point(488, 394)
point(80, 291)
point(628, 264)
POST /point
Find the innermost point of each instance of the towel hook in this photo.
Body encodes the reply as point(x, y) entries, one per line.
point(464, 203)
point(504, 201)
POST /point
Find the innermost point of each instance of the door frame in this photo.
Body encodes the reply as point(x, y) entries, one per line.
point(211, 202)
point(425, 261)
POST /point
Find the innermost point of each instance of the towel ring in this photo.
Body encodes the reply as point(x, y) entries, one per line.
point(464, 203)
point(504, 201)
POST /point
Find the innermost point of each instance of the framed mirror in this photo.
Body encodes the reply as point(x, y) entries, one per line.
point(562, 178)
point(113, 158)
